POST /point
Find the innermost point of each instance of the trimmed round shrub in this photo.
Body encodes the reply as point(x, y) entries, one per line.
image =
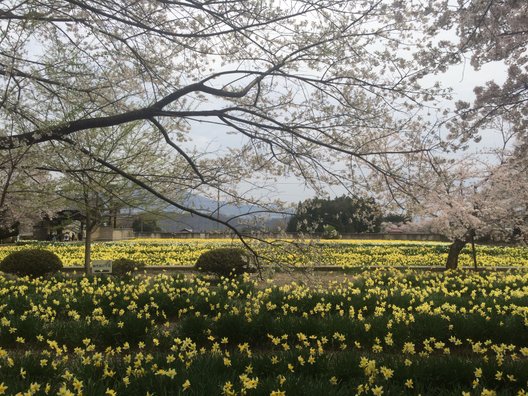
point(125, 266)
point(226, 262)
point(32, 262)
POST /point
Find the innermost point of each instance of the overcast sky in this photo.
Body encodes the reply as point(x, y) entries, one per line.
point(462, 79)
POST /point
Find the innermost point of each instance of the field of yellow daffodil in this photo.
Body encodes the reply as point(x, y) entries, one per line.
point(382, 332)
point(342, 253)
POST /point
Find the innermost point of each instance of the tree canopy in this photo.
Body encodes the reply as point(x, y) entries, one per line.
point(331, 92)
point(319, 90)
point(347, 215)
point(487, 31)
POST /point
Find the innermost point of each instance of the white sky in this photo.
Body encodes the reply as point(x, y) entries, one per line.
point(462, 79)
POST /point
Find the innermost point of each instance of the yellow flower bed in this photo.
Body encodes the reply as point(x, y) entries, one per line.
point(340, 253)
point(383, 332)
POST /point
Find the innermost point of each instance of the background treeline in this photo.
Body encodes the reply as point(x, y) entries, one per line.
point(345, 215)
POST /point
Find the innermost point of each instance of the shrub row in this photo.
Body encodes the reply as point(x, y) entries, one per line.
point(39, 262)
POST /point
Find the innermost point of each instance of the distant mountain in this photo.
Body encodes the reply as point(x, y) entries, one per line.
point(208, 205)
point(178, 221)
point(187, 222)
point(182, 222)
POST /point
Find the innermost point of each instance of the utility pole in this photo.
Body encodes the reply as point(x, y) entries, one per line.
point(218, 208)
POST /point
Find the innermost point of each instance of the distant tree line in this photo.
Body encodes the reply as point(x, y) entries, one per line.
point(346, 215)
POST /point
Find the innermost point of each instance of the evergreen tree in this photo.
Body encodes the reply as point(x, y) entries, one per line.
point(346, 214)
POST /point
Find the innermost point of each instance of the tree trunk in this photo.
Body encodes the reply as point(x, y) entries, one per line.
point(474, 250)
point(88, 246)
point(454, 251)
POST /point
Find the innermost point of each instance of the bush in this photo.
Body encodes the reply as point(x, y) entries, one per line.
point(330, 232)
point(32, 262)
point(124, 266)
point(226, 262)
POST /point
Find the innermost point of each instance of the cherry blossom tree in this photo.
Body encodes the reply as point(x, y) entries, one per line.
point(483, 194)
point(479, 191)
point(487, 31)
point(326, 91)
point(320, 90)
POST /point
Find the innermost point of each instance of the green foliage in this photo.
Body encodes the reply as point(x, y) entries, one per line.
point(125, 266)
point(209, 318)
point(141, 224)
point(9, 231)
point(396, 218)
point(32, 262)
point(330, 232)
point(225, 262)
point(9, 227)
point(346, 214)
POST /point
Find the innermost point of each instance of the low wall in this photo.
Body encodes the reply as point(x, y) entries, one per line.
point(398, 236)
point(381, 236)
point(179, 235)
point(111, 234)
